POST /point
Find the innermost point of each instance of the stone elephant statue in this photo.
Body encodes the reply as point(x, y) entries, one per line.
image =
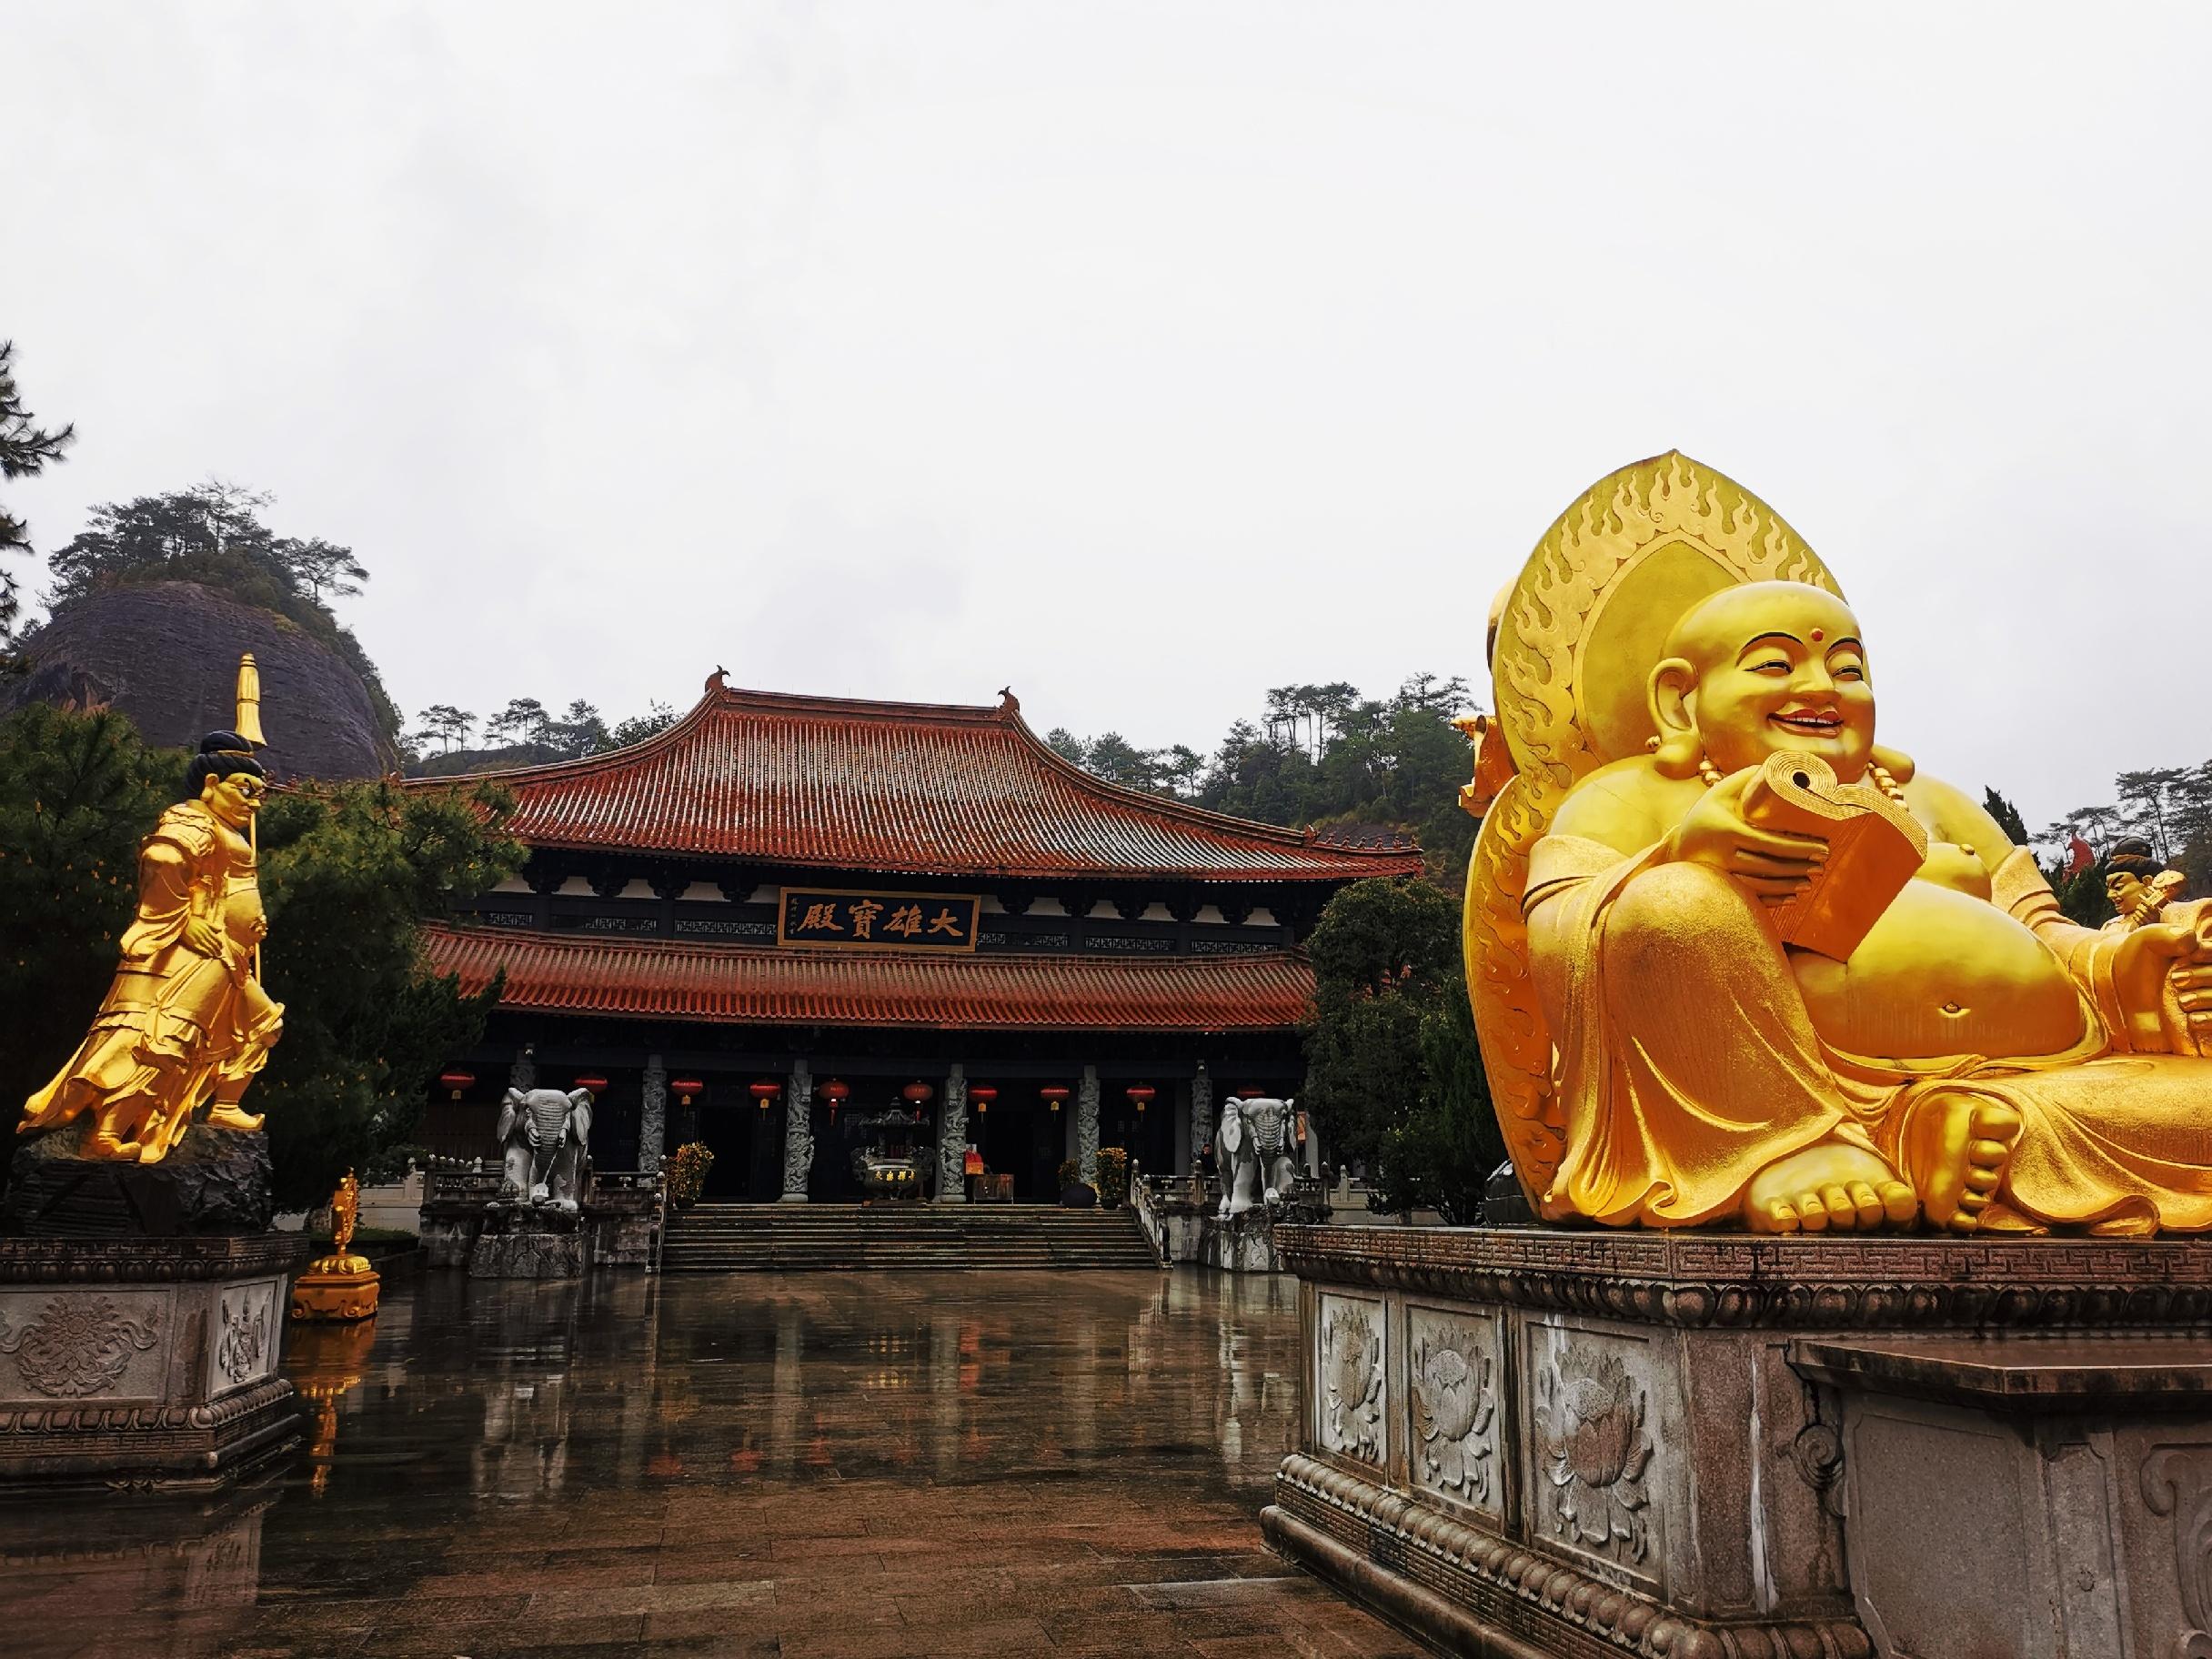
point(547, 1136)
point(1256, 1149)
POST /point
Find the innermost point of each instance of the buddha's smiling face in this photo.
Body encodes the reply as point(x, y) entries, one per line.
point(1766, 667)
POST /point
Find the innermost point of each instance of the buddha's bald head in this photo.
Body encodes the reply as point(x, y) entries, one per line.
point(1761, 668)
point(1714, 630)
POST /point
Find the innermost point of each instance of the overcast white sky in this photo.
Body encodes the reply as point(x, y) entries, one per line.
point(1142, 357)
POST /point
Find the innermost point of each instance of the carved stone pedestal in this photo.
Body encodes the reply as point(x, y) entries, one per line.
point(336, 1291)
point(1535, 1442)
point(144, 1363)
point(523, 1242)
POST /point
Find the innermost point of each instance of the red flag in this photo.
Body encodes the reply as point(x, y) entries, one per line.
point(2080, 855)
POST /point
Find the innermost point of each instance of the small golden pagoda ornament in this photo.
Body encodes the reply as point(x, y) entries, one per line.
point(340, 1285)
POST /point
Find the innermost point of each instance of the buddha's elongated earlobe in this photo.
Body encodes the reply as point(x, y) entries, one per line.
point(1677, 751)
point(1898, 766)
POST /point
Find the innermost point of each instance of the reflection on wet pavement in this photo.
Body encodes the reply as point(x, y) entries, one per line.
point(853, 1464)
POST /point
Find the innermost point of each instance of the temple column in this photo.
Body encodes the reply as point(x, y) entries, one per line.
point(952, 1142)
point(797, 1133)
point(1087, 1125)
point(1201, 1117)
point(653, 1115)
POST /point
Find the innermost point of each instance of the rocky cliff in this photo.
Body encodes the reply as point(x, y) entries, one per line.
point(167, 655)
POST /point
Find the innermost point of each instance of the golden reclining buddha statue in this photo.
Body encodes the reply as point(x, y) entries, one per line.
point(1733, 963)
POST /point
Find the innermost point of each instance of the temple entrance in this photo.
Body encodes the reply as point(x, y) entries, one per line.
point(748, 1147)
point(1020, 1136)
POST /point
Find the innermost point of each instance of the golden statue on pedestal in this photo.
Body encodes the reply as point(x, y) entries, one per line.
point(185, 1022)
point(1731, 961)
point(340, 1285)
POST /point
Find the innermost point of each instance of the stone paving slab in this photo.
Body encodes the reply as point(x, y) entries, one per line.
point(793, 1465)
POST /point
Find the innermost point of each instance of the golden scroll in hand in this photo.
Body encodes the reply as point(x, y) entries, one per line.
point(1874, 847)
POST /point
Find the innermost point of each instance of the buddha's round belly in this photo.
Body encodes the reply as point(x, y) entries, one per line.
point(1942, 973)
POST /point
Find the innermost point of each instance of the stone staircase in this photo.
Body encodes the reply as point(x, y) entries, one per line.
point(723, 1238)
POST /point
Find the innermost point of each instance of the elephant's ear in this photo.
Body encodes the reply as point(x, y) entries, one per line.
point(580, 1115)
point(510, 1110)
point(1233, 1133)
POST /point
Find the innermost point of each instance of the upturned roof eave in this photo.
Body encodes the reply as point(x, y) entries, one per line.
point(1345, 862)
point(1384, 862)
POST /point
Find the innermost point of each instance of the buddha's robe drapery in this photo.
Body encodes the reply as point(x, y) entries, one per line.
point(1688, 1062)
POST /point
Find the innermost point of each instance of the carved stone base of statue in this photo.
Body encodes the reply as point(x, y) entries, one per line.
point(530, 1242)
point(617, 1226)
point(335, 1290)
point(1535, 1441)
point(1186, 1223)
point(144, 1363)
point(216, 1180)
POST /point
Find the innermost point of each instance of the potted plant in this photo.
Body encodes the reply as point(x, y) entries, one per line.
point(688, 1173)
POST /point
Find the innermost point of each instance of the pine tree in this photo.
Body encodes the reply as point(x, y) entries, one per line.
point(26, 448)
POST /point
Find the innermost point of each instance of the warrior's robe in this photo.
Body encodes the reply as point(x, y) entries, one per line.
point(176, 1029)
point(1690, 1061)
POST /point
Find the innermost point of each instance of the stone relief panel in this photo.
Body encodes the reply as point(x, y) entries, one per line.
point(243, 1337)
point(1453, 1381)
point(1349, 1381)
point(2177, 1484)
point(1592, 1442)
point(82, 1344)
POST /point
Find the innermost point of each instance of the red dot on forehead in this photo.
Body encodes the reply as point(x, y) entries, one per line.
point(1818, 635)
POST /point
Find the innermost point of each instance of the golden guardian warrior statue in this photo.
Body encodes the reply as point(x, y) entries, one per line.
point(185, 1022)
point(1733, 963)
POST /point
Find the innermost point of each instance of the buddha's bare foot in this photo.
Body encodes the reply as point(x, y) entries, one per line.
point(225, 1115)
point(1834, 1184)
point(1957, 1149)
point(101, 1143)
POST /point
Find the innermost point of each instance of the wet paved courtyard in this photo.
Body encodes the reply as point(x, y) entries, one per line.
point(911, 1464)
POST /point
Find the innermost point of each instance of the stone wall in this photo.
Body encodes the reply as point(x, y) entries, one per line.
point(1587, 1442)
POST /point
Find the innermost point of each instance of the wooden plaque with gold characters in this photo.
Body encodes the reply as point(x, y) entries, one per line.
point(1576, 638)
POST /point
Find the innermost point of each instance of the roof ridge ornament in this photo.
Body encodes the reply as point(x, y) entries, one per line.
point(716, 681)
point(1008, 702)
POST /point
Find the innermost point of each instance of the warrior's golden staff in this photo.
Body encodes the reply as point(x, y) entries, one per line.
point(250, 728)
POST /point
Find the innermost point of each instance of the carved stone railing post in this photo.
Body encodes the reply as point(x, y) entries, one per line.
point(1201, 1118)
point(653, 1115)
point(797, 1133)
point(952, 1142)
point(1087, 1126)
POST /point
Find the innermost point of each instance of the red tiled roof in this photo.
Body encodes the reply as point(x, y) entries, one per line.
point(677, 980)
point(914, 788)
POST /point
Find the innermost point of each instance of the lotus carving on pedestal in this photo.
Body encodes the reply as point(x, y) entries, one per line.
point(1351, 1381)
point(1453, 1411)
point(1596, 1452)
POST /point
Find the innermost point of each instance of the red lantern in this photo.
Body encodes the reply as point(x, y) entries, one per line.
point(983, 1094)
point(1249, 1094)
point(1055, 1093)
point(455, 1081)
point(766, 1090)
point(593, 1083)
point(834, 1091)
point(1140, 1095)
point(916, 1092)
point(687, 1086)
